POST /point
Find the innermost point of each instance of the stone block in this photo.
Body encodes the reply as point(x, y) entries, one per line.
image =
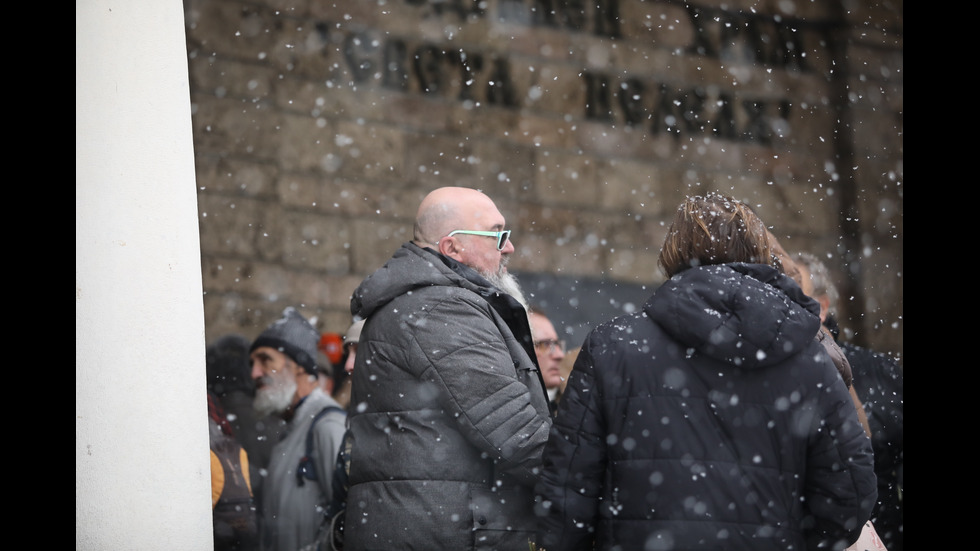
point(563, 177)
point(373, 241)
point(236, 225)
point(369, 151)
point(234, 126)
point(217, 174)
point(311, 241)
point(222, 77)
point(308, 143)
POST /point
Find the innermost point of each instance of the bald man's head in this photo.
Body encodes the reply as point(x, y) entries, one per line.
point(453, 208)
point(478, 241)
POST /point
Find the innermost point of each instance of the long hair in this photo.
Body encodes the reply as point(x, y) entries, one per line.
point(714, 229)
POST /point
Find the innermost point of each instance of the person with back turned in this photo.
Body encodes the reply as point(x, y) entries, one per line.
point(712, 418)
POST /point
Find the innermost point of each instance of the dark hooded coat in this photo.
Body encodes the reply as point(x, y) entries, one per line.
point(878, 380)
point(449, 415)
point(711, 419)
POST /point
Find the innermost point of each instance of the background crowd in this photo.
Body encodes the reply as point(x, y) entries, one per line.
point(725, 413)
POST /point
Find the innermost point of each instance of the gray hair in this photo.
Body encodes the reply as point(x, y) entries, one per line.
point(820, 277)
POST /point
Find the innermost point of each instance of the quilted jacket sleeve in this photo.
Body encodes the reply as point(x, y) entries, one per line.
point(841, 488)
point(487, 383)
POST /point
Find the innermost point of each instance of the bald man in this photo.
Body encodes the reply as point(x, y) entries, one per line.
point(550, 351)
point(449, 414)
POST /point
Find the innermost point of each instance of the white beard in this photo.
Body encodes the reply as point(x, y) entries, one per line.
point(276, 395)
point(508, 284)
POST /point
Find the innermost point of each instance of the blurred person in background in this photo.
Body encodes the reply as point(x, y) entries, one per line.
point(801, 275)
point(550, 351)
point(332, 533)
point(299, 488)
point(878, 382)
point(351, 338)
point(325, 375)
point(233, 514)
point(229, 375)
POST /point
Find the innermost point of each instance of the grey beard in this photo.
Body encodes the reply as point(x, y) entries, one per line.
point(508, 284)
point(274, 397)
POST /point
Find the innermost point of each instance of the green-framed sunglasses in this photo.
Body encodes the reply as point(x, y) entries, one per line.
point(502, 236)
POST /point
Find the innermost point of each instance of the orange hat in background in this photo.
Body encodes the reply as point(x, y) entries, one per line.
point(332, 346)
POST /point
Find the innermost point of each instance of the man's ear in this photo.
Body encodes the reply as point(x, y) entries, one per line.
point(450, 247)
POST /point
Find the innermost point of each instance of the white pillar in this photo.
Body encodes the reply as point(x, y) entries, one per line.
point(142, 476)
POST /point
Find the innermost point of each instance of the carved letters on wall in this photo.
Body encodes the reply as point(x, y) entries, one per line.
point(634, 100)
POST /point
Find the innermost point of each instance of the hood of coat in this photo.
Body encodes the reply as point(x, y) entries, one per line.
point(749, 315)
point(410, 268)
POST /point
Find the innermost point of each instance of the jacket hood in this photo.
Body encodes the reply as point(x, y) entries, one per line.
point(410, 268)
point(749, 315)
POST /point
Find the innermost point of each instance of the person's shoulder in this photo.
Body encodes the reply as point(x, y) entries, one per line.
point(631, 327)
point(447, 300)
point(623, 323)
point(622, 332)
point(318, 403)
point(330, 418)
point(327, 402)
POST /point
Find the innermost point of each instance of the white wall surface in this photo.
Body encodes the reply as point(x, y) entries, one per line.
point(141, 439)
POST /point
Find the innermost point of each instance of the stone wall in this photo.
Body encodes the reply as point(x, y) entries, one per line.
point(318, 129)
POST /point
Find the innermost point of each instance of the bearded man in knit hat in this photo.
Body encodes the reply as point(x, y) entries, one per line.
point(298, 486)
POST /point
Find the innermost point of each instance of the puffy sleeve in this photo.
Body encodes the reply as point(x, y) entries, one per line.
point(841, 487)
point(485, 381)
point(574, 462)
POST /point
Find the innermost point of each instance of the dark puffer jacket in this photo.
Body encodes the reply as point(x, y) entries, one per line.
point(449, 416)
point(712, 419)
point(879, 383)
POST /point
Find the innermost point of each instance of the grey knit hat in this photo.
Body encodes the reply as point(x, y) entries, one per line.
point(354, 333)
point(294, 336)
